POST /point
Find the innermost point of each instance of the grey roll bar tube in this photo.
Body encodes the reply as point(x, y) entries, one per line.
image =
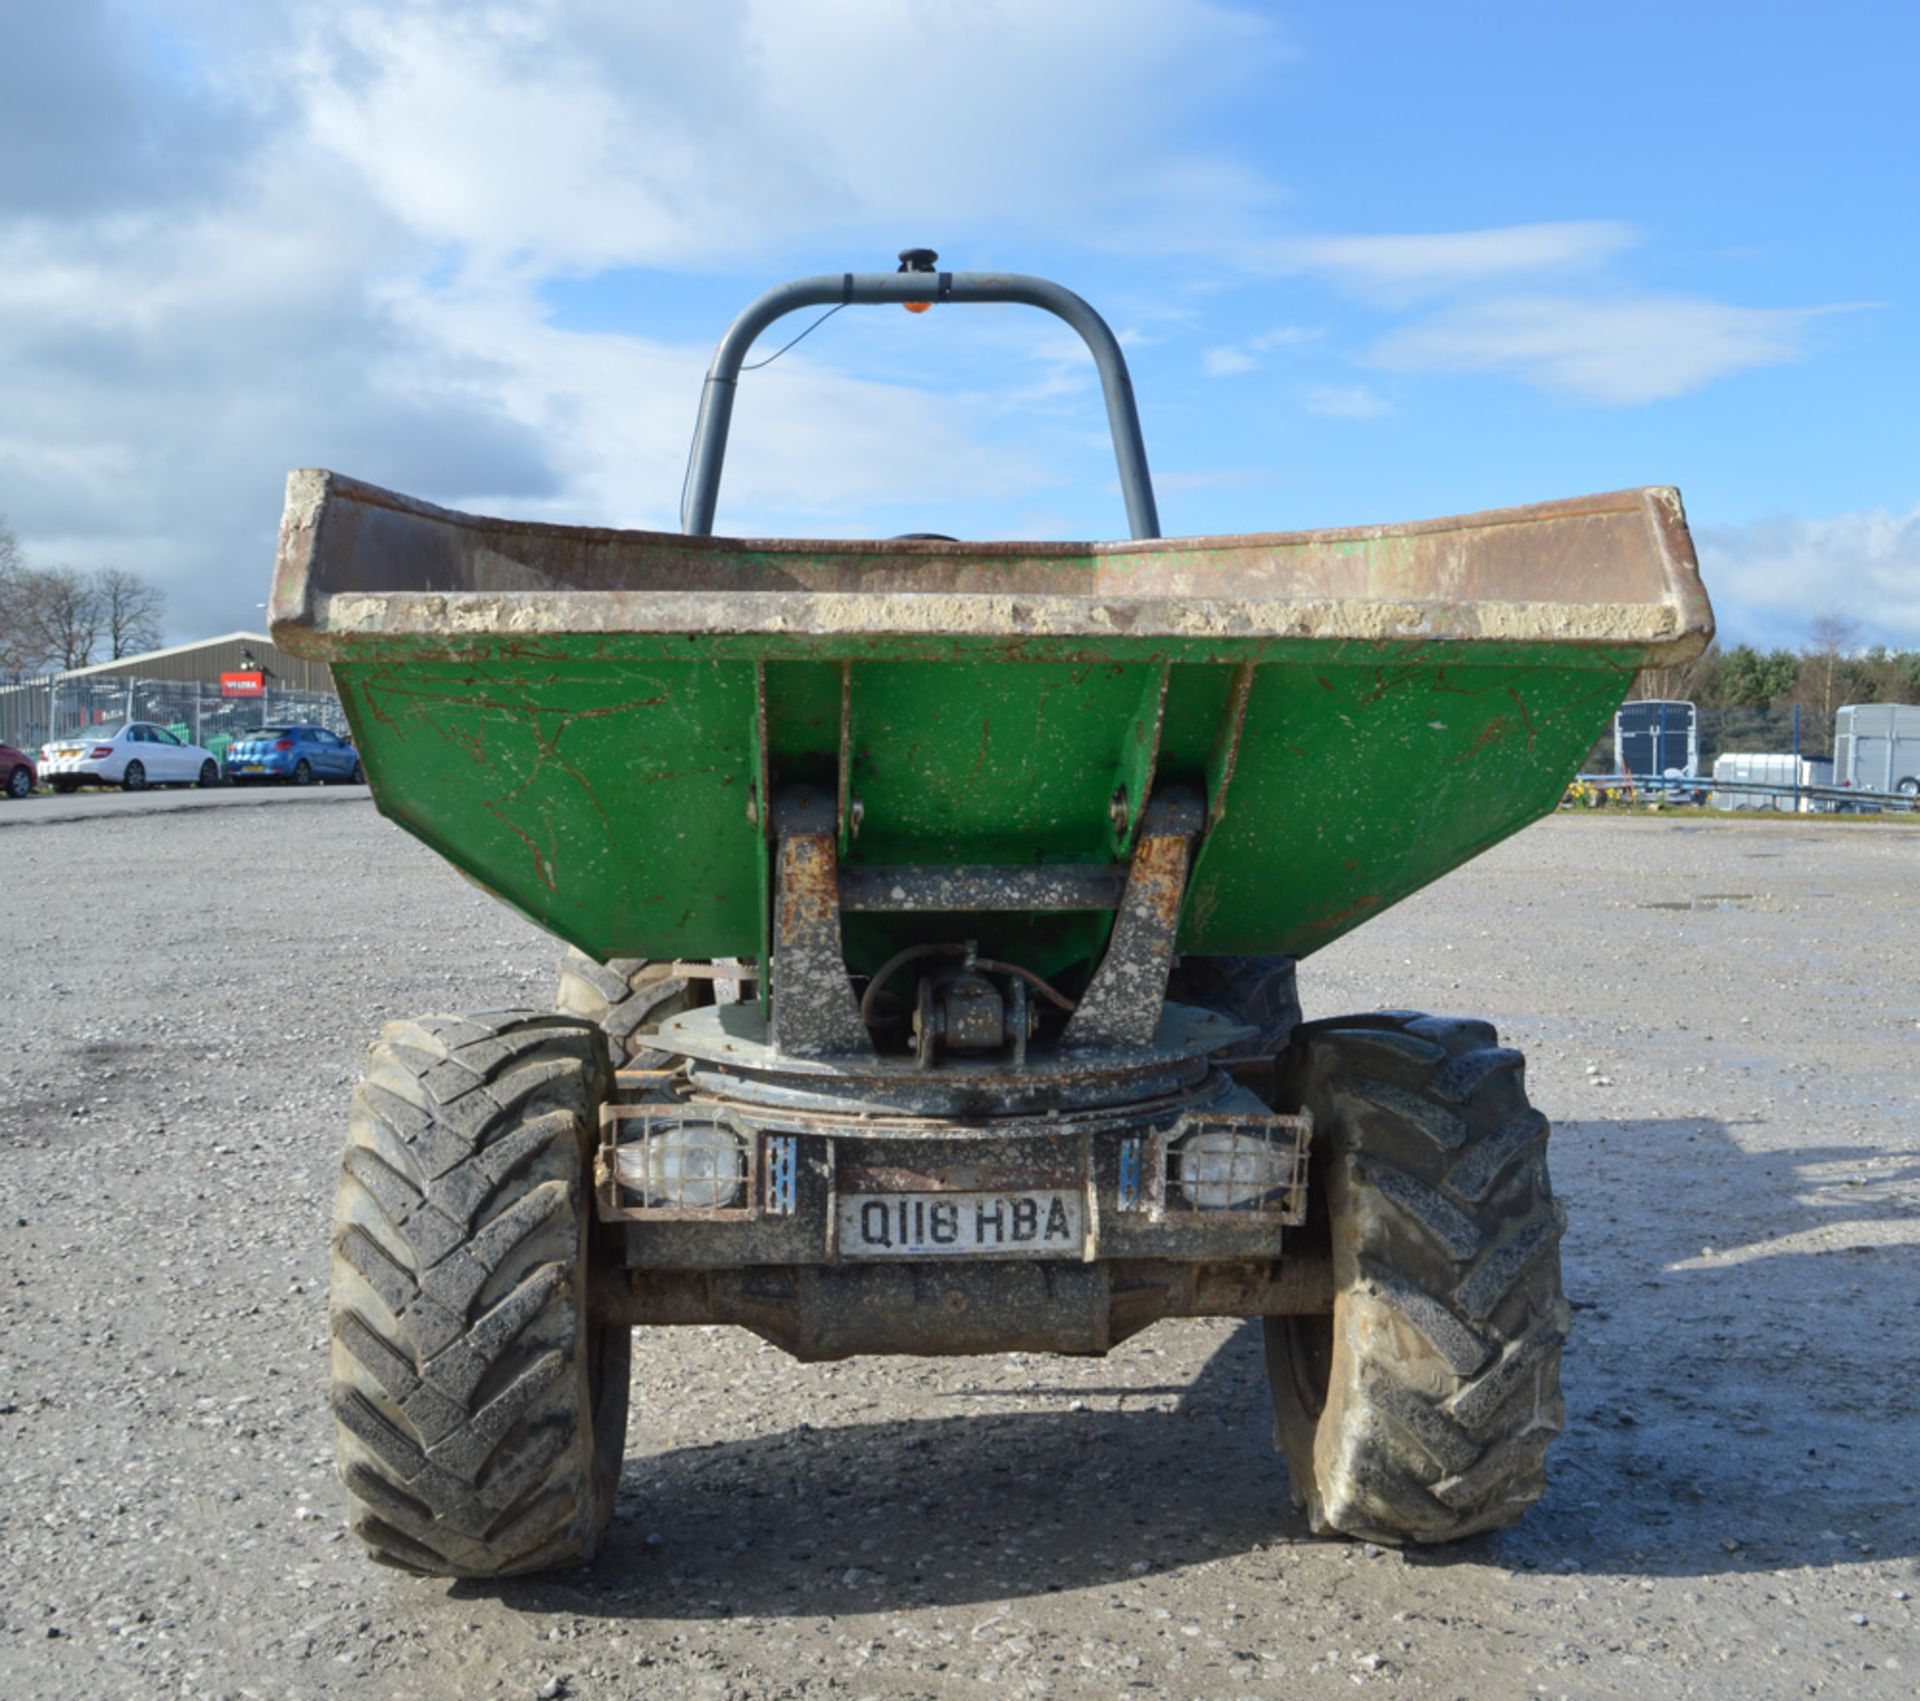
point(716, 396)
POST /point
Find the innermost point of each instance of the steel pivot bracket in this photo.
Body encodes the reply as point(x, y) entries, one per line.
point(814, 1012)
point(1122, 1003)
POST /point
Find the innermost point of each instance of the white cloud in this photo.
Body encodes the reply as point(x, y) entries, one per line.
point(165, 371)
point(606, 135)
point(1283, 336)
point(808, 445)
point(1233, 358)
point(1619, 353)
point(1226, 361)
point(1345, 401)
point(1403, 267)
point(1770, 578)
point(1616, 348)
point(314, 232)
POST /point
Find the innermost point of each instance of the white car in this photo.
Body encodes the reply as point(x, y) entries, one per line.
point(131, 757)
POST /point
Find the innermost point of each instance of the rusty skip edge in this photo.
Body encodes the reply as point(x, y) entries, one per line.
point(358, 565)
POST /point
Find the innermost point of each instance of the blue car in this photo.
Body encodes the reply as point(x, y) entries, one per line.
point(293, 755)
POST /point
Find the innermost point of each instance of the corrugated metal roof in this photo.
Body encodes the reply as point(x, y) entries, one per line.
point(207, 658)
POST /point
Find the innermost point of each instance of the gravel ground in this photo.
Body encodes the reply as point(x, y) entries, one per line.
point(46, 810)
point(1724, 1024)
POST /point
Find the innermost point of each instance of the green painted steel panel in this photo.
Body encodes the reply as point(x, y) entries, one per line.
point(607, 798)
point(590, 722)
point(607, 803)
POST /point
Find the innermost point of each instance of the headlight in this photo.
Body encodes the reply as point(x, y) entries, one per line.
point(686, 1166)
point(1226, 1169)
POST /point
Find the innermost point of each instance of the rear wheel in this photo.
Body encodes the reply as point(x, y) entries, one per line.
point(480, 1416)
point(135, 778)
point(19, 781)
point(1258, 991)
point(1422, 1409)
point(626, 998)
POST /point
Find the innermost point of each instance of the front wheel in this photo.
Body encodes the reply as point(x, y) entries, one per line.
point(358, 777)
point(480, 1414)
point(135, 778)
point(209, 774)
point(303, 772)
point(626, 998)
point(1422, 1409)
point(19, 781)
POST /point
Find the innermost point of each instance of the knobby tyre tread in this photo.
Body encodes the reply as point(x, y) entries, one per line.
point(480, 1417)
point(1261, 992)
point(626, 998)
point(1423, 1411)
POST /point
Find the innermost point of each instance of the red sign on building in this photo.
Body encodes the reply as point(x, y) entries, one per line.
point(243, 684)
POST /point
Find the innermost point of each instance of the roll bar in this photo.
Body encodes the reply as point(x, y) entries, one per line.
point(914, 284)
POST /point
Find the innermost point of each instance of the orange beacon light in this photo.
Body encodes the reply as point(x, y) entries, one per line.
point(917, 260)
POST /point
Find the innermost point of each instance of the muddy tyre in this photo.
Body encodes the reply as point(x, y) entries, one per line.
point(626, 999)
point(1259, 991)
point(1422, 1410)
point(480, 1417)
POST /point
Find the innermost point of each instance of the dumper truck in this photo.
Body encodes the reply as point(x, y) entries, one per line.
point(933, 909)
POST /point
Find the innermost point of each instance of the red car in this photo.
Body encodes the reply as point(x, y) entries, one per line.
point(17, 777)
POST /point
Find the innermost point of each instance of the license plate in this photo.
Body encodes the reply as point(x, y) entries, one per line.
point(1050, 1224)
point(251, 767)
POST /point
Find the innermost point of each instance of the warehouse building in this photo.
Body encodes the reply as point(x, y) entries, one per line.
point(207, 689)
point(207, 659)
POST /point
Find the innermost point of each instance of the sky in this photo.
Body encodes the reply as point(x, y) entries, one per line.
point(1369, 263)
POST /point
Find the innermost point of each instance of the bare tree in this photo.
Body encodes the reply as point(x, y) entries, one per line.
point(1682, 682)
point(130, 611)
point(69, 615)
point(1828, 674)
point(20, 649)
point(55, 617)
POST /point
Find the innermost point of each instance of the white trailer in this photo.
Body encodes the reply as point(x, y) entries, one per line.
point(1876, 747)
point(1777, 768)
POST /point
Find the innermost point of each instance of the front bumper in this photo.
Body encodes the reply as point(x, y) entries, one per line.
point(1210, 1177)
point(784, 1260)
point(1055, 1203)
point(945, 1309)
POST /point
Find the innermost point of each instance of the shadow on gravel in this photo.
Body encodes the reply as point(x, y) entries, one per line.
point(1749, 1411)
point(1741, 1390)
point(942, 1509)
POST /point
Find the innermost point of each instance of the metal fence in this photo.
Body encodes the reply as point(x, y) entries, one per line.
point(1779, 731)
point(35, 712)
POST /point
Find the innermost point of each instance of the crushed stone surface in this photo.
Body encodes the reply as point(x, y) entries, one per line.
point(1722, 1021)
